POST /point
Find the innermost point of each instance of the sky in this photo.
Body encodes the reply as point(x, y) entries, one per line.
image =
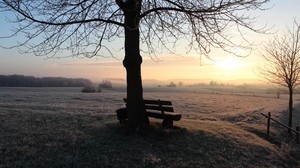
point(220, 67)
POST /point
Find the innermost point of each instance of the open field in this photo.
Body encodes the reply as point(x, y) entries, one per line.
point(62, 127)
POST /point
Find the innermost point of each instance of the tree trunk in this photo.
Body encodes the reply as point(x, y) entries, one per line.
point(137, 117)
point(290, 108)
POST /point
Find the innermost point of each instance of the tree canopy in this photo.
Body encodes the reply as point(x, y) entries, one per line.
point(87, 27)
point(282, 59)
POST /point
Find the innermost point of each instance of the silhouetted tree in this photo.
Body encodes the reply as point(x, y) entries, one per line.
point(213, 83)
point(85, 26)
point(30, 81)
point(282, 64)
point(180, 83)
point(105, 84)
point(172, 84)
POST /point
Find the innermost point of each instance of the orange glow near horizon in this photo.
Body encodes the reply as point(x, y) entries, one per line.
point(227, 68)
point(170, 68)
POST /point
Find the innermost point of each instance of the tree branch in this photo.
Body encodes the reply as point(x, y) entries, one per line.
point(31, 17)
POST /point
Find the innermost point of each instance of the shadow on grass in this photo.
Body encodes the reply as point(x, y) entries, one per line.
point(66, 140)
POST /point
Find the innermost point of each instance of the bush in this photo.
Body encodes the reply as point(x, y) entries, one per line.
point(88, 89)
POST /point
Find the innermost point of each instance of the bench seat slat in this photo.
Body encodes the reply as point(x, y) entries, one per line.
point(155, 102)
point(164, 108)
point(168, 115)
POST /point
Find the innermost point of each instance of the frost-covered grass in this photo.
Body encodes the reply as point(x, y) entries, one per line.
point(62, 127)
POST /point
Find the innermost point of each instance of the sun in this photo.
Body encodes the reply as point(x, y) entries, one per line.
point(228, 64)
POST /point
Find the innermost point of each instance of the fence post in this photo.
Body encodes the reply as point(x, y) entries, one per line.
point(268, 126)
point(297, 134)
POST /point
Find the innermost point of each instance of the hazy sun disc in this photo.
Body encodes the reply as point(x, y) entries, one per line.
point(229, 64)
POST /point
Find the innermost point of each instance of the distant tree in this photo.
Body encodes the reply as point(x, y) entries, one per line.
point(213, 83)
point(85, 27)
point(180, 84)
point(105, 84)
point(172, 84)
point(30, 81)
point(282, 63)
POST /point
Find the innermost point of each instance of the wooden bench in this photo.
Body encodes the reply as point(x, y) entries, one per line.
point(160, 109)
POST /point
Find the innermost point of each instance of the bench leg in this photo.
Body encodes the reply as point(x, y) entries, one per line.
point(167, 123)
point(121, 115)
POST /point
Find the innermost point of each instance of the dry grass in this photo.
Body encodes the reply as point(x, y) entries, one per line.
point(51, 135)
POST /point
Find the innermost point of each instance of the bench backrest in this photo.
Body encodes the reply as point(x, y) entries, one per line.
point(159, 105)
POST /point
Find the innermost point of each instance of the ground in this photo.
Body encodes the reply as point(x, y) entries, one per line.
point(62, 127)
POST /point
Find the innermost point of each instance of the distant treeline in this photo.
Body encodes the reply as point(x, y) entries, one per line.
point(30, 81)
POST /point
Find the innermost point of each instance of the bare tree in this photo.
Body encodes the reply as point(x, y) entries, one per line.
point(282, 66)
point(84, 27)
